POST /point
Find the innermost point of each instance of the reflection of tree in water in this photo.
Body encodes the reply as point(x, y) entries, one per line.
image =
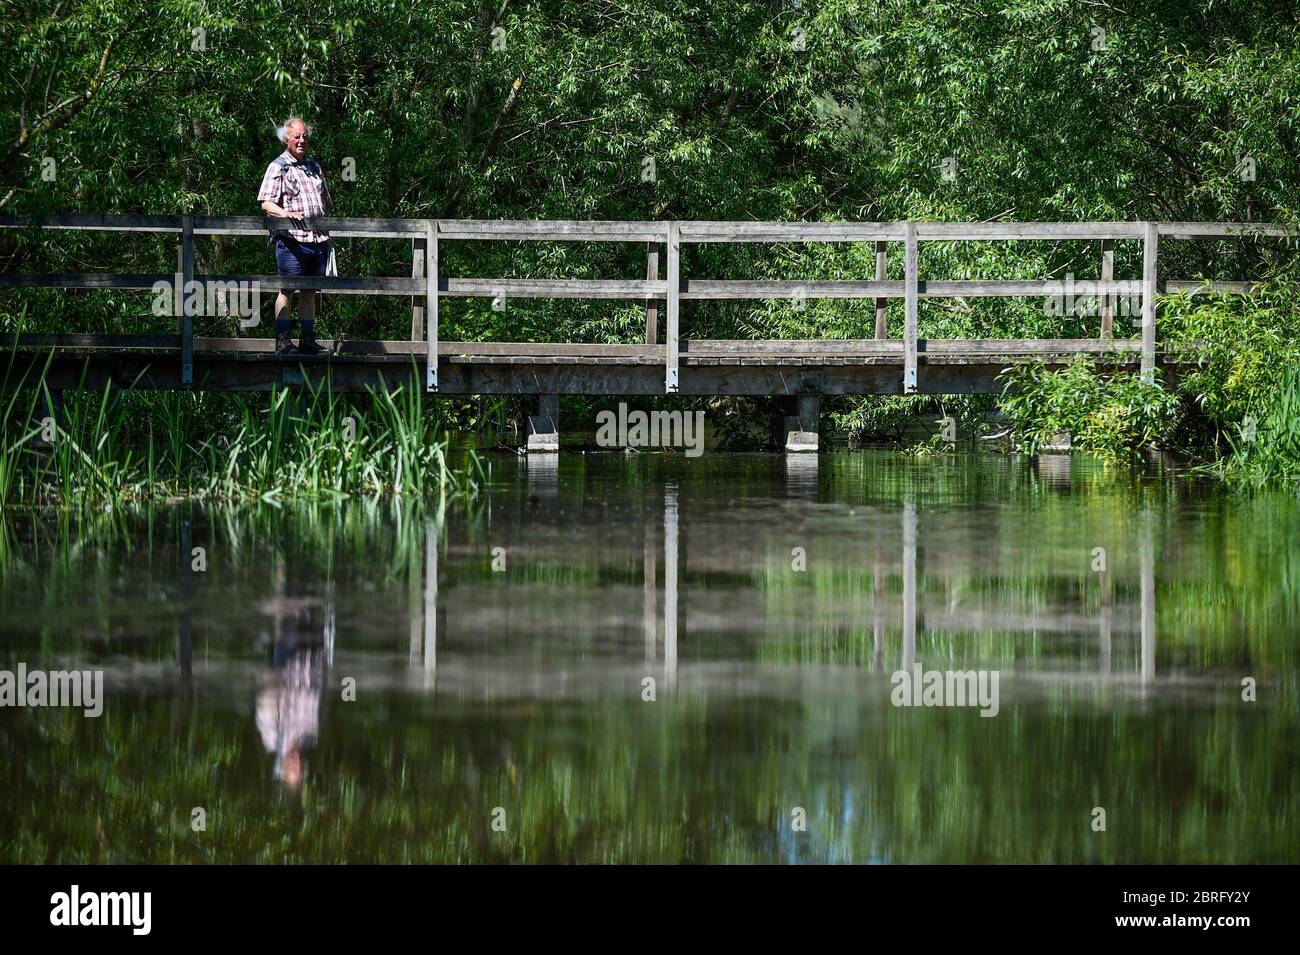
point(288, 703)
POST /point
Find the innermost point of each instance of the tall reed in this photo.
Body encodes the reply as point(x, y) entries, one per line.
point(312, 443)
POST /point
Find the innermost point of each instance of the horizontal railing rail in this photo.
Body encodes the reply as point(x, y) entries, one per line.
point(426, 285)
point(694, 231)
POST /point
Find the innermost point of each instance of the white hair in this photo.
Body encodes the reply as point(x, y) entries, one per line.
point(282, 131)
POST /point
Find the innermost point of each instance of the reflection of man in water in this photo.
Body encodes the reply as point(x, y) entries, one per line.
point(288, 705)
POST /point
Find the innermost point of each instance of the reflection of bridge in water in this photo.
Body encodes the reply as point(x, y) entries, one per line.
point(664, 616)
point(663, 612)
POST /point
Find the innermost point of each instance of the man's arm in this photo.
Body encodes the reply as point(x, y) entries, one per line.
point(271, 190)
point(272, 209)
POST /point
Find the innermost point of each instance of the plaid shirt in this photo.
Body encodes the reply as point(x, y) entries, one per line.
point(298, 188)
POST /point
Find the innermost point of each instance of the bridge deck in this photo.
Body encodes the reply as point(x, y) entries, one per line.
point(712, 367)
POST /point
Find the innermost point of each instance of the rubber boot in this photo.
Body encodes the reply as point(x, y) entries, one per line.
point(284, 344)
point(307, 344)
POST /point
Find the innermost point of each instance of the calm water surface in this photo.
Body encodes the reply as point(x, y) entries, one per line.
point(379, 682)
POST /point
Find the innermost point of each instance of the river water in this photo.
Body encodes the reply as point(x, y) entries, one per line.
point(655, 658)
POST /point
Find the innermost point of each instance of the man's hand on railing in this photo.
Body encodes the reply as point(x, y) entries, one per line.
point(293, 222)
point(276, 211)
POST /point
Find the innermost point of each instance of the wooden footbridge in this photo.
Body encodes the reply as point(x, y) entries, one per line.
point(676, 365)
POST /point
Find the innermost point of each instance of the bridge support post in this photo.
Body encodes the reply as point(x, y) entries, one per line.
point(799, 423)
point(544, 427)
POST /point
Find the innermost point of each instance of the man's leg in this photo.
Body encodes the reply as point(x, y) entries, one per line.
point(313, 264)
point(287, 264)
point(282, 306)
point(307, 344)
point(283, 337)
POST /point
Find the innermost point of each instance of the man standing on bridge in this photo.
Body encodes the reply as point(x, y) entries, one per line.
point(294, 188)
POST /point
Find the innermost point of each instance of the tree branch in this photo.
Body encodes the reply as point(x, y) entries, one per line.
point(503, 114)
point(60, 115)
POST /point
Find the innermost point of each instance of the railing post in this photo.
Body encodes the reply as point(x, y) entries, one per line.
point(418, 247)
point(671, 385)
point(431, 303)
point(909, 330)
point(1150, 249)
point(882, 273)
point(1107, 298)
point(652, 305)
point(188, 302)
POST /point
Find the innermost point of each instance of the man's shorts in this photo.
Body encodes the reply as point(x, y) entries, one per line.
point(300, 258)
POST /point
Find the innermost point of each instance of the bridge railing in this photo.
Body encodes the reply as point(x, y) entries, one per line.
point(426, 285)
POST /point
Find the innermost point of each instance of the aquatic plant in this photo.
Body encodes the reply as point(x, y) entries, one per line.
point(116, 445)
point(1112, 414)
